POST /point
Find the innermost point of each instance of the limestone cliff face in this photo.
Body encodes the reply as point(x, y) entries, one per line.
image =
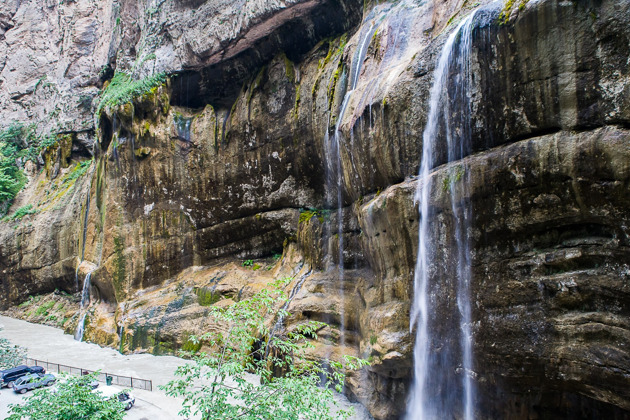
point(230, 160)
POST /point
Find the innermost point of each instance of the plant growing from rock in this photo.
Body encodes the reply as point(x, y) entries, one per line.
point(122, 89)
point(256, 369)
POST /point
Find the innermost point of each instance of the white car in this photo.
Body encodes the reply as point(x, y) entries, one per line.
point(125, 397)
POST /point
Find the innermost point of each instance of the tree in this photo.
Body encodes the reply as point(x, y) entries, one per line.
point(72, 399)
point(10, 354)
point(255, 372)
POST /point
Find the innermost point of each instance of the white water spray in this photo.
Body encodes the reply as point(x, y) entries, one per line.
point(334, 179)
point(85, 301)
point(442, 385)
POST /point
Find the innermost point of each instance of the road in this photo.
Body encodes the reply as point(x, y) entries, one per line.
point(52, 345)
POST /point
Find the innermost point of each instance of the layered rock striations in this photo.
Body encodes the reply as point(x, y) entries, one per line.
point(205, 188)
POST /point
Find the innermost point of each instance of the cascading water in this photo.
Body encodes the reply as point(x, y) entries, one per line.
point(85, 300)
point(443, 387)
point(294, 291)
point(334, 178)
point(85, 224)
point(182, 126)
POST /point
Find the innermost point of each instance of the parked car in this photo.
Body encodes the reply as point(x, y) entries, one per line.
point(125, 397)
point(32, 381)
point(9, 376)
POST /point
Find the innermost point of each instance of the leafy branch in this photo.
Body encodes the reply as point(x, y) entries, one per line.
point(258, 371)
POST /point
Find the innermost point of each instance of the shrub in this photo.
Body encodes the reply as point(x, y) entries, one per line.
point(122, 89)
point(218, 385)
point(18, 143)
point(10, 354)
point(78, 171)
point(21, 212)
point(72, 399)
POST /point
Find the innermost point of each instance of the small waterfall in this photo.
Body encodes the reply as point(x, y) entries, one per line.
point(285, 307)
point(78, 334)
point(182, 126)
point(85, 301)
point(85, 224)
point(442, 386)
point(334, 178)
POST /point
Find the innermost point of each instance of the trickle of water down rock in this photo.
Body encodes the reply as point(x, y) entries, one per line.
point(443, 366)
point(334, 165)
point(199, 191)
point(85, 301)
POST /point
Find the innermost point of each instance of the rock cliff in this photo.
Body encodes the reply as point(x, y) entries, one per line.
point(208, 186)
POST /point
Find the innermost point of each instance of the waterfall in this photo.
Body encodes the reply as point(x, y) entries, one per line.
point(85, 224)
point(334, 176)
point(182, 126)
point(283, 312)
point(442, 386)
point(85, 300)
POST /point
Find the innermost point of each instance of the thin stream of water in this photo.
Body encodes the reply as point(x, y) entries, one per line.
point(334, 161)
point(433, 396)
point(85, 301)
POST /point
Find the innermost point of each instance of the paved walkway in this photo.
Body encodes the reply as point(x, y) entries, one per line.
point(52, 345)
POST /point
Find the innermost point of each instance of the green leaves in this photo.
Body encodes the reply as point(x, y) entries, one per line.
point(122, 89)
point(18, 144)
point(20, 213)
point(257, 370)
point(10, 354)
point(72, 399)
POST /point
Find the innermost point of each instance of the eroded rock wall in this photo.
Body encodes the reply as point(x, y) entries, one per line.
point(228, 162)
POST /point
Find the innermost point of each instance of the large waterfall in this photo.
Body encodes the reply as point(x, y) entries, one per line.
point(443, 357)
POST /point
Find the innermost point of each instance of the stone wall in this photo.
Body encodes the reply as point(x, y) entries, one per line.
point(228, 161)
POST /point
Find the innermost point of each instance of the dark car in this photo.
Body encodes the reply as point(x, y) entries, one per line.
point(32, 381)
point(8, 376)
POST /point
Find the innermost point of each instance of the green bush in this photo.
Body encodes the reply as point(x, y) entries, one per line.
point(78, 171)
point(21, 212)
point(18, 143)
point(122, 89)
point(307, 215)
point(72, 398)
point(290, 385)
point(43, 310)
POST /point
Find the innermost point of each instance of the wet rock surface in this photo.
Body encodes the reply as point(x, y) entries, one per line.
point(194, 178)
point(546, 319)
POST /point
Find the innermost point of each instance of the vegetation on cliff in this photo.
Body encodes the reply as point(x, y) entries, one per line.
point(257, 370)
point(14, 146)
point(123, 88)
point(19, 143)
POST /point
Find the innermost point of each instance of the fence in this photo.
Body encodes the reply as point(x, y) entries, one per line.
point(124, 381)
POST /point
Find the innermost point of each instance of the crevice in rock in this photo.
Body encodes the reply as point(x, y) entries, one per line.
point(107, 133)
point(218, 82)
point(533, 134)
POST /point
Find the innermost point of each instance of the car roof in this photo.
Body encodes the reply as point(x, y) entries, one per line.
point(14, 369)
point(108, 391)
point(30, 375)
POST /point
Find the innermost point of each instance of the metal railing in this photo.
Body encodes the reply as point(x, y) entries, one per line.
point(124, 381)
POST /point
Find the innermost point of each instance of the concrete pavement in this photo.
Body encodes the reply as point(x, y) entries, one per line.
point(52, 345)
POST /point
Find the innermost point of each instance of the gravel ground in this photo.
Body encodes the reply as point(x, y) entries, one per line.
point(52, 345)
